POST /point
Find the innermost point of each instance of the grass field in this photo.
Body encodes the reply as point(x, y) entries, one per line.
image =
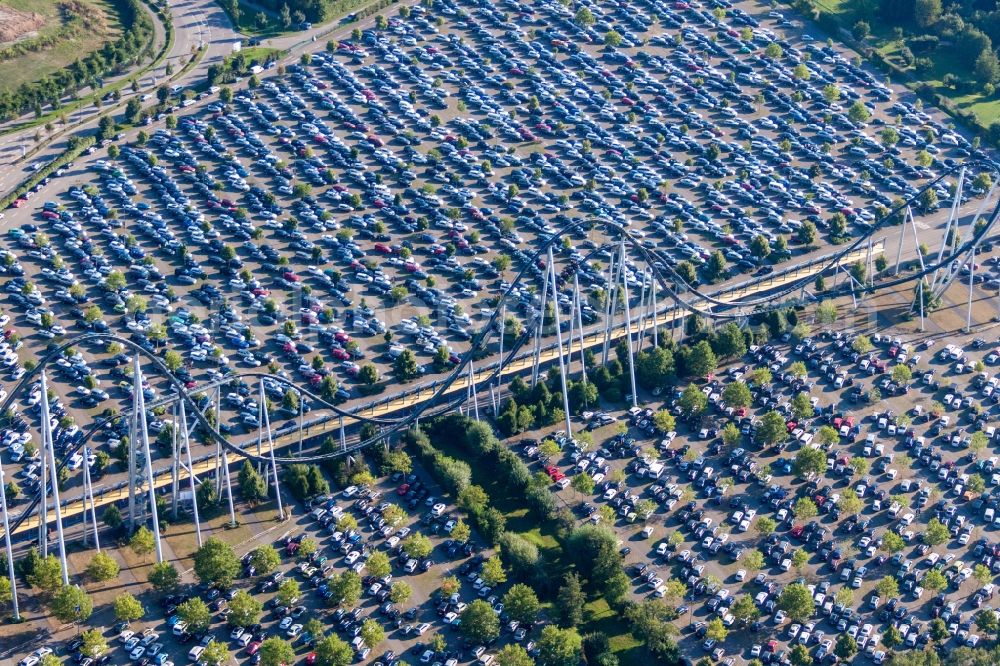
point(944, 61)
point(36, 65)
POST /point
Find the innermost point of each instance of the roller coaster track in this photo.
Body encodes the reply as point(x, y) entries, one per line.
point(727, 304)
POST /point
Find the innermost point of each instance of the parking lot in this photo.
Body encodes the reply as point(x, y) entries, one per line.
point(377, 191)
point(373, 202)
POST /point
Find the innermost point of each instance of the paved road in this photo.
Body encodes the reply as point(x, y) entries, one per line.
point(196, 22)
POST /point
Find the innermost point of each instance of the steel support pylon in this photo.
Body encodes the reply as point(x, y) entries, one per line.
point(147, 475)
point(192, 479)
point(559, 342)
point(9, 551)
point(48, 450)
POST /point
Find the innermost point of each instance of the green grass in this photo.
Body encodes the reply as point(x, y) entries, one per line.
point(33, 66)
point(519, 519)
point(944, 61)
point(598, 616)
point(831, 6)
point(259, 54)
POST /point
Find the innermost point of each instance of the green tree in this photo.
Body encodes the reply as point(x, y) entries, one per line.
point(346, 588)
point(103, 567)
point(745, 610)
point(372, 633)
point(163, 577)
point(244, 609)
point(559, 647)
point(569, 603)
point(289, 592)
point(796, 600)
point(405, 366)
point(513, 655)
point(46, 574)
point(809, 461)
point(701, 360)
point(142, 542)
point(849, 502)
point(858, 112)
point(128, 608)
point(417, 546)
point(94, 645)
point(693, 401)
point(731, 435)
point(799, 655)
point(216, 563)
point(265, 559)
point(887, 587)
point(764, 525)
point(736, 395)
point(892, 542)
point(583, 483)
point(939, 630)
point(846, 647)
point(276, 652)
point(927, 12)
point(754, 560)
point(805, 509)
point(802, 407)
point(379, 565)
point(196, 614)
point(521, 603)
point(891, 638)
point(988, 621)
point(716, 630)
point(400, 592)
point(479, 623)
point(71, 604)
point(934, 581)
point(332, 651)
point(772, 429)
point(936, 533)
point(216, 653)
point(492, 572)
point(584, 18)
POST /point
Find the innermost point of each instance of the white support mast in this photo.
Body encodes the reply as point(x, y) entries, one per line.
point(49, 452)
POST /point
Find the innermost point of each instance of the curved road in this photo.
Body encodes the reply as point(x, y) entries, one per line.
point(196, 23)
